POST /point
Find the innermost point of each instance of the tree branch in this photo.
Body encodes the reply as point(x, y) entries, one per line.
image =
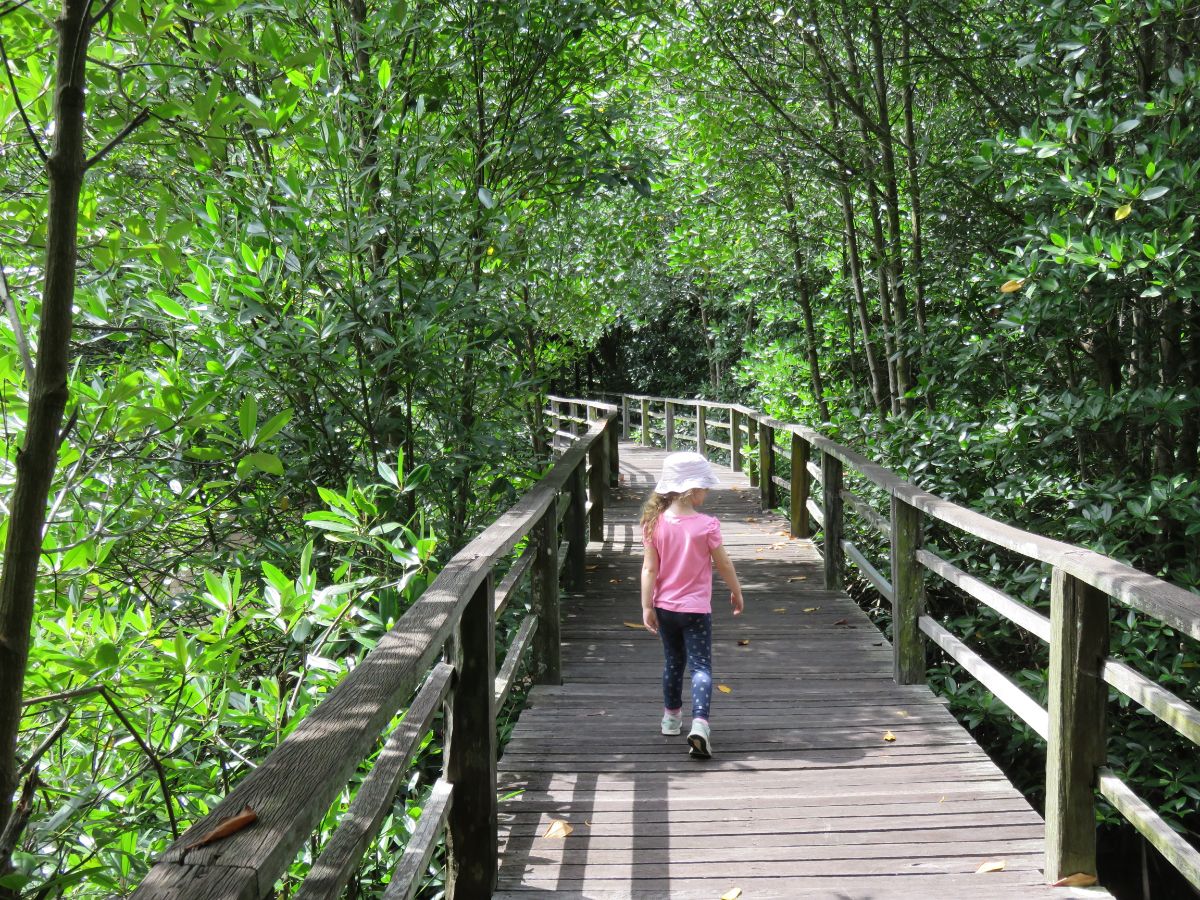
point(12, 83)
point(125, 132)
point(18, 330)
point(150, 755)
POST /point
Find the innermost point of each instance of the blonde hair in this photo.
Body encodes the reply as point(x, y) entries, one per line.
point(655, 506)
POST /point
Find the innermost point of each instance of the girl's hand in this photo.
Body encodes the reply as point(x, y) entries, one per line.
point(735, 600)
point(650, 619)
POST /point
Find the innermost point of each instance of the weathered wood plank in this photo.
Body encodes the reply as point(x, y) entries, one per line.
point(1181, 716)
point(873, 575)
point(511, 581)
point(1078, 699)
point(1011, 609)
point(359, 825)
point(908, 599)
point(800, 489)
point(831, 521)
point(1182, 855)
point(406, 880)
point(512, 660)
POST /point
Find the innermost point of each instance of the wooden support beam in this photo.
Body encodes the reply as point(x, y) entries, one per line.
point(798, 502)
point(701, 431)
point(597, 477)
point(669, 427)
point(752, 451)
point(831, 511)
point(735, 440)
point(576, 528)
point(547, 646)
point(646, 422)
point(766, 465)
point(614, 453)
point(1078, 697)
point(470, 753)
point(625, 417)
point(908, 589)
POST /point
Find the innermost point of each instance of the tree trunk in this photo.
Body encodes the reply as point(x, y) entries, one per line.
point(914, 189)
point(802, 294)
point(38, 457)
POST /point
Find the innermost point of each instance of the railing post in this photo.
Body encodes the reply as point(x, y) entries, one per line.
point(646, 422)
point(614, 453)
point(908, 585)
point(576, 527)
point(766, 465)
point(798, 502)
point(470, 753)
point(701, 431)
point(735, 440)
point(597, 476)
point(831, 482)
point(625, 417)
point(751, 450)
point(669, 428)
point(1076, 748)
point(547, 646)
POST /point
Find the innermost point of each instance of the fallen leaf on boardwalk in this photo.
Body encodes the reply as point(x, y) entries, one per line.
point(888, 736)
point(587, 822)
point(244, 819)
point(751, 519)
point(732, 894)
point(798, 578)
point(811, 608)
point(633, 625)
point(724, 689)
point(992, 865)
point(902, 712)
point(558, 829)
point(841, 622)
point(781, 609)
point(1079, 879)
point(602, 712)
point(590, 568)
point(615, 580)
point(744, 643)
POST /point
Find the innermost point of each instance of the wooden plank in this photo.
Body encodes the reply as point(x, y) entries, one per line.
point(831, 521)
point(814, 470)
point(512, 580)
point(989, 676)
point(1011, 609)
point(547, 568)
point(867, 513)
point(645, 422)
point(1184, 718)
point(873, 575)
point(406, 880)
point(576, 526)
point(908, 600)
point(735, 440)
point(800, 489)
point(342, 854)
point(669, 426)
point(512, 660)
point(624, 418)
point(597, 487)
point(766, 465)
point(470, 754)
point(815, 511)
point(701, 431)
point(1078, 699)
point(1177, 851)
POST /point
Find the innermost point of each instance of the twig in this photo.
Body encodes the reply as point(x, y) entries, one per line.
point(150, 755)
point(134, 124)
point(43, 747)
point(64, 695)
point(18, 331)
point(12, 83)
point(17, 821)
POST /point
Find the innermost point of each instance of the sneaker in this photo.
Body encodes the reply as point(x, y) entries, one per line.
point(700, 740)
point(672, 722)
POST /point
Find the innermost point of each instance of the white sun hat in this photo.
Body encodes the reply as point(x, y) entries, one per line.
point(684, 471)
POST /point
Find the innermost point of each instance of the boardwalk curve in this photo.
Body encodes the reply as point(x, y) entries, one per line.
point(805, 796)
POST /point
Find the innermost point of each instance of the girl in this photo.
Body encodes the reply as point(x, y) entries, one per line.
point(681, 547)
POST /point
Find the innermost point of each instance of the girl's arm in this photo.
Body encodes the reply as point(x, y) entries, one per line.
point(649, 576)
point(725, 566)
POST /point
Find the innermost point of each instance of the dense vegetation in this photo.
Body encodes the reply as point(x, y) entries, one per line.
point(330, 255)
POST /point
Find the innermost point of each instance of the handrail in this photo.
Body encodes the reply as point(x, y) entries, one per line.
point(1077, 630)
point(294, 787)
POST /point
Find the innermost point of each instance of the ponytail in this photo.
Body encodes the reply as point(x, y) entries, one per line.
point(655, 506)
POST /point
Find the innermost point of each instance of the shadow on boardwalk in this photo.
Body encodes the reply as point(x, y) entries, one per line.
point(804, 798)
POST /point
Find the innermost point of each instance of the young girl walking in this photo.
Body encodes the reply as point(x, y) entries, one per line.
point(682, 544)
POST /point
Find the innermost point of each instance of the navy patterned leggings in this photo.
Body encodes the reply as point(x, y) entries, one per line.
point(686, 638)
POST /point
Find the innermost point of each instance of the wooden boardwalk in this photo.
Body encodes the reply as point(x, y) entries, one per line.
point(804, 796)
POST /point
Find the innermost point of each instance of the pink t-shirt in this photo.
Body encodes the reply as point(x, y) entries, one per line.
point(684, 545)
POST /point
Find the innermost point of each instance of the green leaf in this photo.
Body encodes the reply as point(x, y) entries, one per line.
point(385, 75)
point(486, 198)
point(273, 426)
point(1127, 125)
point(265, 462)
point(248, 417)
point(169, 306)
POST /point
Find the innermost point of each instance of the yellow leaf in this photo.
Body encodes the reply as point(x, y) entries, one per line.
point(558, 829)
point(724, 689)
point(1123, 212)
point(888, 736)
point(811, 608)
point(1012, 285)
point(991, 865)
point(732, 894)
point(744, 642)
point(632, 625)
point(798, 578)
point(781, 609)
point(1079, 879)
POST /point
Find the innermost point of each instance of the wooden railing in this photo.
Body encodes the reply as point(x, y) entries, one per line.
point(446, 643)
point(1082, 583)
